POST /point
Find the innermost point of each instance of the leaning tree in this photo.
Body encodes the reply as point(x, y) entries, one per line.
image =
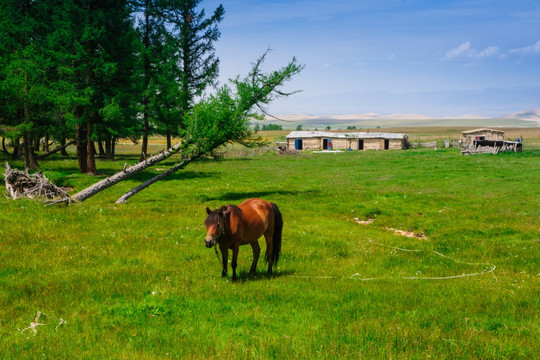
point(219, 119)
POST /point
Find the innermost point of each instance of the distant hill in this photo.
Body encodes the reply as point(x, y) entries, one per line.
point(528, 118)
point(529, 115)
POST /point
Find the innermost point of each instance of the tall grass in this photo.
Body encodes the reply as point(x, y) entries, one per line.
point(135, 280)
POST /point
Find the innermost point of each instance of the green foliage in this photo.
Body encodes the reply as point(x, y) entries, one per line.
point(193, 36)
point(137, 282)
point(267, 127)
point(80, 69)
point(299, 127)
point(225, 117)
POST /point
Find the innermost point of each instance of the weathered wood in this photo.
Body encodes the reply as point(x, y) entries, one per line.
point(124, 174)
point(21, 184)
point(123, 199)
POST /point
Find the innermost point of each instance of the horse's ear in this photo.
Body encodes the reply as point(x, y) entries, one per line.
point(208, 211)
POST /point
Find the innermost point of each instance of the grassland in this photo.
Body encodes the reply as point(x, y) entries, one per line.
point(135, 281)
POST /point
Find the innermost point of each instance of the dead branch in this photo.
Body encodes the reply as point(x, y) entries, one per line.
point(123, 199)
point(21, 184)
point(124, 174)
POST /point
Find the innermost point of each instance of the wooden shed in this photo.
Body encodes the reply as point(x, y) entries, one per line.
point(319, 140)
point(469, 136)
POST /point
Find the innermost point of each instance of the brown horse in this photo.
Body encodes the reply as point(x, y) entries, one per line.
point(231, 226)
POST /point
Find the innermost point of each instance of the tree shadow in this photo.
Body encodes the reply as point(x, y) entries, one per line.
point(235, 196)
point(179, 175)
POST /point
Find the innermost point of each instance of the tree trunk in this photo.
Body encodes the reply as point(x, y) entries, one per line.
point(16, 149)
point(30, 161)
point(147, 75)
point(101, 149)
point(123, 199)
point(4, 149)
point(61, 148)
point(80, 139)
point(46, 144)
point(90, 151)
point(169, 140)
point(64, 146)
point(37, 144)
point(109, 153)
point(124, 174)
point(144, 148)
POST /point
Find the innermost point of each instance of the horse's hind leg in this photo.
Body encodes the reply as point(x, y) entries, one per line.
point(269, 235)
point(256, 252)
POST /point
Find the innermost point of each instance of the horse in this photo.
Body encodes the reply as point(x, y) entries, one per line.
point(231, 226)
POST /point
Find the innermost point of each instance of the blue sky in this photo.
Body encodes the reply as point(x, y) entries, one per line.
point(431, 57)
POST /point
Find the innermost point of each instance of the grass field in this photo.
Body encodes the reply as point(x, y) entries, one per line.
point(135, 281)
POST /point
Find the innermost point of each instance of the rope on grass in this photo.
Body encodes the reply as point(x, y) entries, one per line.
point(444, 256)
point(358, 277)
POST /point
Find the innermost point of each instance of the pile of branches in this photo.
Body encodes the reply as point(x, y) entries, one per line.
point(36, 186)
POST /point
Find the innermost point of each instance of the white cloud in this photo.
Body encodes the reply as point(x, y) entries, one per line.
point(459, 51)
point(489, 51)
point(464, 51)
point(359, 63)
point(533, 49)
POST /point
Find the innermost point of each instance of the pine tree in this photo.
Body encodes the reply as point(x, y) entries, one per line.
point(150, 30)
point(25, 103)
point(195, 35)
point(92, 46)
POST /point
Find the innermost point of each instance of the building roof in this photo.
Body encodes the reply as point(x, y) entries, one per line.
point(353, 135)
point(474, 131)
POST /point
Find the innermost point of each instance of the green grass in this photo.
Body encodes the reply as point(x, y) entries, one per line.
point(135, 281)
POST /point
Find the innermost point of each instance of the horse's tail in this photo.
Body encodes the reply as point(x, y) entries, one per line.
point(278, 229)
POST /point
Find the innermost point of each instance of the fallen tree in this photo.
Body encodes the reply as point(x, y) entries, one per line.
point(215, 121)
point(124, 174)
point(123, 199)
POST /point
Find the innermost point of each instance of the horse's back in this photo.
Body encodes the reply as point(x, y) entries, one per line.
point(259, 206)
point(256, 214)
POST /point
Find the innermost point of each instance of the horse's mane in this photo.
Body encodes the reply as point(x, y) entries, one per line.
point(214, 216)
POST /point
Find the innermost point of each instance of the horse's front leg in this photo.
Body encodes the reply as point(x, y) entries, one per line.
point(234, 260)
point(224, 259)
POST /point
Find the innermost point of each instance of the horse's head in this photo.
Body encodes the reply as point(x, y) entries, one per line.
point(215, 225)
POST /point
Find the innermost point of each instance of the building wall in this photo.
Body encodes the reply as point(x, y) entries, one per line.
point(340, 144)
point(312, 144)
point(344, 144)
point(308, 144)
point(489, 135)
point(395, 144)
point(373, 144)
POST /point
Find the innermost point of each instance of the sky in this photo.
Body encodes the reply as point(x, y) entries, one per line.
point(429, 57)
